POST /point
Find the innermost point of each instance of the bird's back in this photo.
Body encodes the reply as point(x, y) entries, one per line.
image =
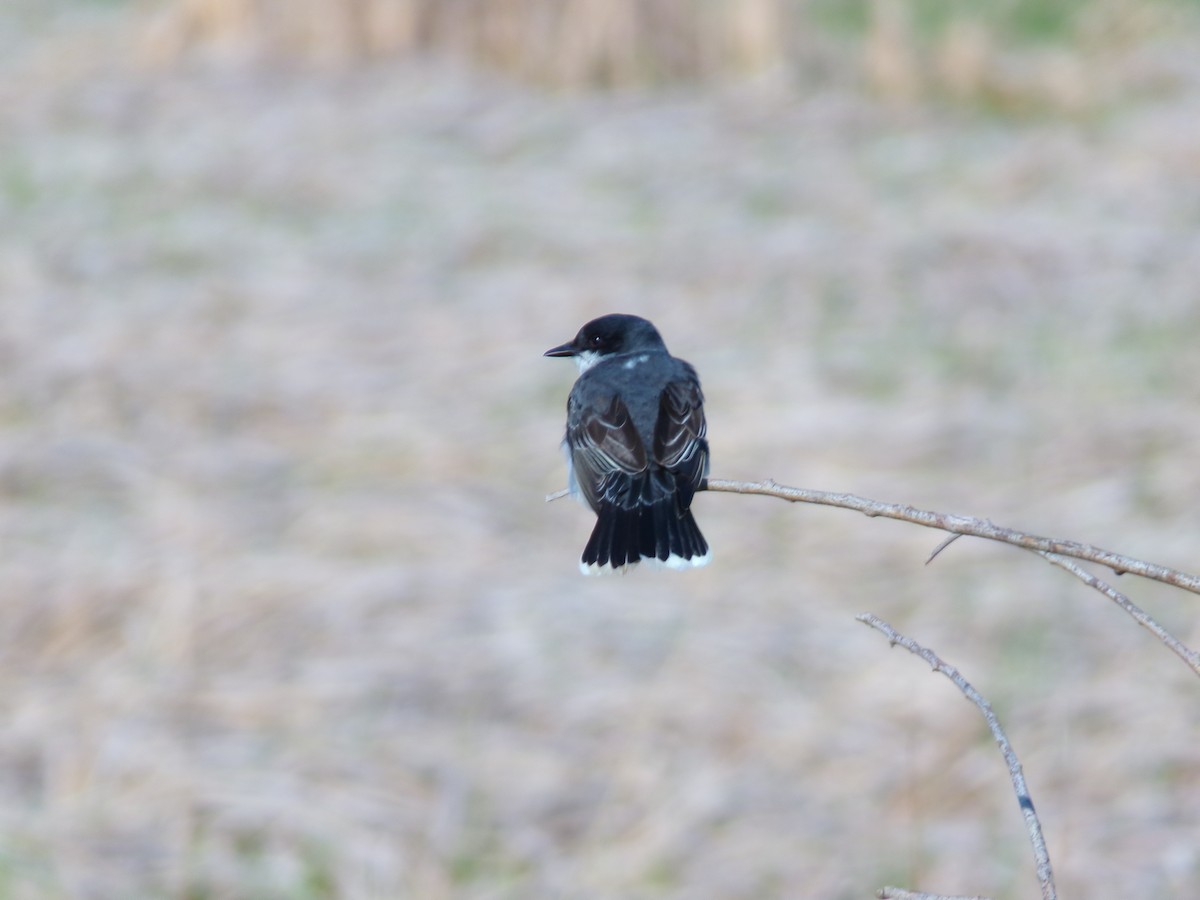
point(638, 379)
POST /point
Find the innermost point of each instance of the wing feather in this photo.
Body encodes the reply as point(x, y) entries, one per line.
point(680, 429)
point(604, 446)
point(679, 444)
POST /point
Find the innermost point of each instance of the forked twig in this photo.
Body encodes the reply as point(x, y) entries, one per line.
point(964, 525)
point(1055, 551)
point(1189, 656)
point(1042, 859)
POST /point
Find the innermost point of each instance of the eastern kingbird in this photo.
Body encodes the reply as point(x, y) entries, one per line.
point(635, 446)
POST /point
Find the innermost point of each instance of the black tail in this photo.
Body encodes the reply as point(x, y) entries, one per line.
point(652, 530)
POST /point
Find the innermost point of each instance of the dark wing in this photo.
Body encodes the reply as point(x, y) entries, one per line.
point(679, 444)
point(604, 446)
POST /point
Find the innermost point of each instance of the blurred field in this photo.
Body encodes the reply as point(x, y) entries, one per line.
point(286, 616)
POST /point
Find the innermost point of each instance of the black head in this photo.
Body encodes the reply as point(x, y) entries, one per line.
point(609, 335)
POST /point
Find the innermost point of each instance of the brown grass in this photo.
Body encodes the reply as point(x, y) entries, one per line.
point(565, 42)
point(989, 56)
point(285, 614)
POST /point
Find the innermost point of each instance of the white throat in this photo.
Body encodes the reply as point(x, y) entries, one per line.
point(585, 359)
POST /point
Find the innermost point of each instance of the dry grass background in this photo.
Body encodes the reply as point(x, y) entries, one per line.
point(285, 614)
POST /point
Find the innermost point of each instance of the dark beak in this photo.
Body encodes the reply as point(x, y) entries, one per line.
point(567, 349)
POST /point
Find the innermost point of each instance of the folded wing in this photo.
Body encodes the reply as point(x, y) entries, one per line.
point(679, 444)
point(605, 446)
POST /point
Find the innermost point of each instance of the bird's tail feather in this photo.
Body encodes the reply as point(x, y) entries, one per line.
point(658, 533)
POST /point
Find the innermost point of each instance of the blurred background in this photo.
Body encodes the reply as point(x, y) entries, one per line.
point(285, 614)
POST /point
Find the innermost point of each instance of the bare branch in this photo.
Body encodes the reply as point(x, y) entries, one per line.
point(558, 495)
point(1189, 656)
point(1032, 824)
point(895, 893)
point(965, 525)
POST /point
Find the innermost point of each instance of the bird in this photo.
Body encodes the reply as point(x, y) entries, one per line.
point(635, 445)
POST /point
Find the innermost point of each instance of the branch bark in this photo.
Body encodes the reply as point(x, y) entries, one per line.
point(1032, 824)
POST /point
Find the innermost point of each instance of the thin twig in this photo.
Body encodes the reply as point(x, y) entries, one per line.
point(942, 546)
point(1176, 646)
point(895, 893)
point(1032, 824)
point(965, 525)
point(558, 495)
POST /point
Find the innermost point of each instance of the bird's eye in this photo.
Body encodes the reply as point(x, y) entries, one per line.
point(597, 340)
